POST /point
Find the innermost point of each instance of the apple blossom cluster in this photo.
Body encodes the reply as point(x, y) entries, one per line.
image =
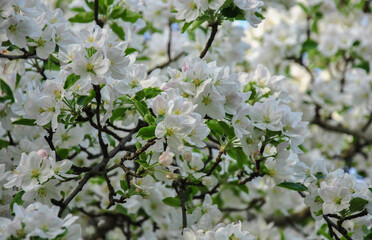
point(323, 52)
point(232, 231)
point(176, 120)
point(190, 10)
point(37, 175)
point(39, 221)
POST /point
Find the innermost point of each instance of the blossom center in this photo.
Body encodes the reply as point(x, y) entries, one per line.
point(206, 100)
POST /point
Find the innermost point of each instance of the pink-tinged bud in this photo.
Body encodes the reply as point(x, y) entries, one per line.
point(42, 153)
point(184, 67)
point(166, 159)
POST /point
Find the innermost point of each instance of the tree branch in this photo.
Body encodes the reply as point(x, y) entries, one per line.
point(98, 21)
point(180, 188)
point(26, 55)
point(332, 225)
point(218, 160)
point(210, 40)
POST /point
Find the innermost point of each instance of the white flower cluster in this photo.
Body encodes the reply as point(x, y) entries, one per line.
point(331, 192)
point(191, 9)
point(193, 135)
point(39, 221)
point(38, 175)
point(230, 231)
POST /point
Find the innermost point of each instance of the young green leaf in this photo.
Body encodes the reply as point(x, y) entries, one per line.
point(83, 17)
point(172, 201)
point(293, 186)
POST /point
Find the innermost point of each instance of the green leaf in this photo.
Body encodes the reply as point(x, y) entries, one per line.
point(117, 12)
point(3, 144)
point(231, 11)
point(119, 31)
point(215, 127)
point(172, 201)
point(259, 15)
point(62, 153)
point(304, 8)
point(150, 119)
point(239, 155)
point(124, 185)
point(190, 192)
point(71, 80)
point(52, 64)
point(130, 16)
point(364, 65)
point(24, 121)
point(77, 9)
point(17, 199)
point(83, 17)
point(85, 100)
point(368, 237)
point(90, 4)
point(147, 132)
point(118, 112)
point(322, 231)
point(148, 93)
point(293, 186)
point(111, 140)
point(185, 26)
point(197, 23)
point(227, 129)
point(357, 204)
point(4, 87)
point(309, 45)
point(141, 107)
point(130, 50)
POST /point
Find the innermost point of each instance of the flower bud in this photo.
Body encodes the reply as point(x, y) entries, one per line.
point(166, 159)
point(42, 153)
point(170, 176)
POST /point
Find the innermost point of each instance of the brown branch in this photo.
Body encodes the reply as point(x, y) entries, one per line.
point(98, 21)
point(217, 161)
point(340, 229)
point(169, 46)
point(112, 192)
point(102, 144)
point(257, 172)
point(161, 66)
point(299, 60)
point(11, 141)
point(26, 55)
point(250, 178)
point(211, 192)
point(180, 188)
point(210, 40)
point(49, 139)
point(339, 129)
point(255, 203)
point(117, 128)
point(96, 170)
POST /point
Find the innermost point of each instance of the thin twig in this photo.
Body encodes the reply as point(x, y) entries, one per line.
point(217, 161)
